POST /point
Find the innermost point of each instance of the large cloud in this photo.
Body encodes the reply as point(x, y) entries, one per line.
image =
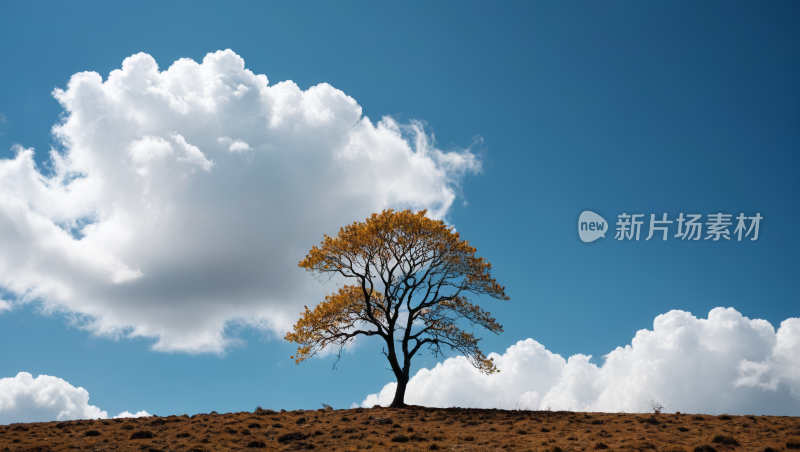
point(45, 398)
point(181, 201)
point(726, 363)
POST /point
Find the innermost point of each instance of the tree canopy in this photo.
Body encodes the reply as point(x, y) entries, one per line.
point(411, 276)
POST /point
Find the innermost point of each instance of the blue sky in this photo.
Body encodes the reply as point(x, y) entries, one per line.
point(611, 107)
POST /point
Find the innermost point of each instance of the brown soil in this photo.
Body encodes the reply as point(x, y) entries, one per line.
point(412, 428)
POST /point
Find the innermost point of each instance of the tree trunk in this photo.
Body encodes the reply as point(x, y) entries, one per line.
point(400, 394)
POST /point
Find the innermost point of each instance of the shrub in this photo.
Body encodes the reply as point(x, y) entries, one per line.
point(142, 434)
point(400, 438)
point(301, 420)
point(182, 435)
point(254, 425)
point(433, 447)
point(655, 406)
point(601, 446)
point(257, 444)
point(91, 433)
point(683, 429)
point(724, 417)
point(417, 437)
point(292, 436)
point(793, 444)
point(705, 448)
point(725, 440)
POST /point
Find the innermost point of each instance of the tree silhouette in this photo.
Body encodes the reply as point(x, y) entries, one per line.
point(411, 275)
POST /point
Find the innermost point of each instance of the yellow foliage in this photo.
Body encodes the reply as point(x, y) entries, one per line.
point(330, 320)
point(411, 274)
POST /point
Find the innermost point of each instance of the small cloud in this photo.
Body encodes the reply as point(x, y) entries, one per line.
point(127, 414)
point(3, 119)
point(233, 145)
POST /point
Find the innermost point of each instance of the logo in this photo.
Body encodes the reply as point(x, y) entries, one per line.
point(689, 227)
point(591, 226)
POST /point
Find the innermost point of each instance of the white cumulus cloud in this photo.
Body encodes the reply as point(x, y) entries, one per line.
point(725, 363)
point(180, 201)
point(45, 398)
point(127, 414)
point(234, 145)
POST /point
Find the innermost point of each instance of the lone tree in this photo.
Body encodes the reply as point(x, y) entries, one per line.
point(411, 275)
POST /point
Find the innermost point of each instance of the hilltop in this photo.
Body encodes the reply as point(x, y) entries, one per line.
point(411, 428)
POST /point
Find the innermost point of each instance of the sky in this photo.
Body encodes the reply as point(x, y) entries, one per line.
point(163, 168)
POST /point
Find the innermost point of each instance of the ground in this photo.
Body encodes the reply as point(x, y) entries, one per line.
point(411, 428)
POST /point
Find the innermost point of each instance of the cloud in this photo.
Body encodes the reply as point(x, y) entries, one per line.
point(234, 145)
point(180, 201)
point(45, 398)
point(127, 414)
point(726, 363)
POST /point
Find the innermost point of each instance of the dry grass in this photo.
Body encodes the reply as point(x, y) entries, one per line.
point(412, 428)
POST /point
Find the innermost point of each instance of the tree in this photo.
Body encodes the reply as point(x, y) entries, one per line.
point(411, 275)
